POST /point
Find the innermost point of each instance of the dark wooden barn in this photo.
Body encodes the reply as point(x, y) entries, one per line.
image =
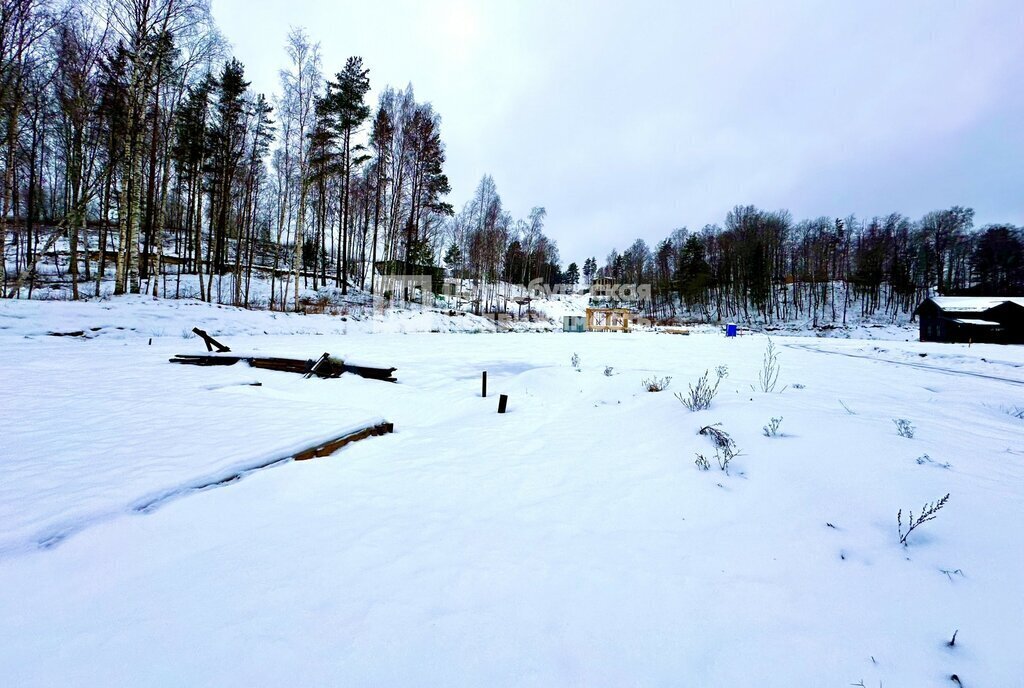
point(998, 320)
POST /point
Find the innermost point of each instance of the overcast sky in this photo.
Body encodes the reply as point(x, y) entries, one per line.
point(629, 119)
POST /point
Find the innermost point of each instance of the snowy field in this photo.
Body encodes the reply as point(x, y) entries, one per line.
point(571, 541)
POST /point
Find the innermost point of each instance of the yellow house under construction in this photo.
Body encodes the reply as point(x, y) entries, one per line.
point(608, 319)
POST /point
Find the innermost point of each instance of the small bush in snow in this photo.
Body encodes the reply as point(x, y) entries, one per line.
point(725, 455)
point(725, 446)
point(657, 384)
point(904, 427)
point(772, 429)
point(608, 371)
point(722, 371)
point(925, 459)
point(797, 385)
point(769, 375)
point(699, 396)
point(702, 462)
point(575, 360)
point(720, 437)
point(928, 513)
point(187, 334)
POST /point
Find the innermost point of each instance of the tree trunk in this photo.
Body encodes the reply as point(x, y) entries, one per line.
point(299, 226)
point(7, 193)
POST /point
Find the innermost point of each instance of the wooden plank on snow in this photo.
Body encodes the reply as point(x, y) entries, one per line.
point(331, 446)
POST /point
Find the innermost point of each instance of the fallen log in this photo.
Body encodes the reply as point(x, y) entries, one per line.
point(385, 374)
point(288, 365)
point(323, 367)
point(334, 445)
point(203, 360)
point(323, 449)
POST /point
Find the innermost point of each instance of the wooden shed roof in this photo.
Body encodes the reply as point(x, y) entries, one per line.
point(972, 304)
point(968, 304)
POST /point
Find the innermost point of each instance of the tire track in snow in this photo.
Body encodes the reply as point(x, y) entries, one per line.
point(920, 366)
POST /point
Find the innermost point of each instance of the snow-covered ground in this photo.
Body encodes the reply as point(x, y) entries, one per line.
point(571, 541)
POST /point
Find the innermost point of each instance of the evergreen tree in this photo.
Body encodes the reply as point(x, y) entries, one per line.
point(226, 146)
point(190, 152)
point(453, 257)
point(572, 275)
point(998, 261)
point(381, 140)
point(428, 184)
point(694, 274)
point(589, 270)
point(344, 101)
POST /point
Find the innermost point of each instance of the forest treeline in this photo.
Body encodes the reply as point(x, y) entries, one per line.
point(132, 148)
point(762, 266)
point(135, 158)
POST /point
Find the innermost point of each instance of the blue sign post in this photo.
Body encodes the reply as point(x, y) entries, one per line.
point(730, 330)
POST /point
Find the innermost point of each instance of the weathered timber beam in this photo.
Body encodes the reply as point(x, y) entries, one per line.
point(211, 343)
point(334, 445)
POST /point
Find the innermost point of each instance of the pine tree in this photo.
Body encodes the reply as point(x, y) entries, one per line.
point(572, 275)
point(190, 151)
point(589, 270)
point(381, 140)
point(227, 146)
point(429, 184)
point(453, 257)
point(344, 102)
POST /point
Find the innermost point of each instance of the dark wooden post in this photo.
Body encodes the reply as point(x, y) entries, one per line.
point(210, 341)
point(314, 369)
point(483, 385)
point(502, 402)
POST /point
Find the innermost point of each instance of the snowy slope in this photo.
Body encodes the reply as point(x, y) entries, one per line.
point(571, 541)
point(96, 434)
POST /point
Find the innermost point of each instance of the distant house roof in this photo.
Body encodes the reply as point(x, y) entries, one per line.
point(973, 304)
